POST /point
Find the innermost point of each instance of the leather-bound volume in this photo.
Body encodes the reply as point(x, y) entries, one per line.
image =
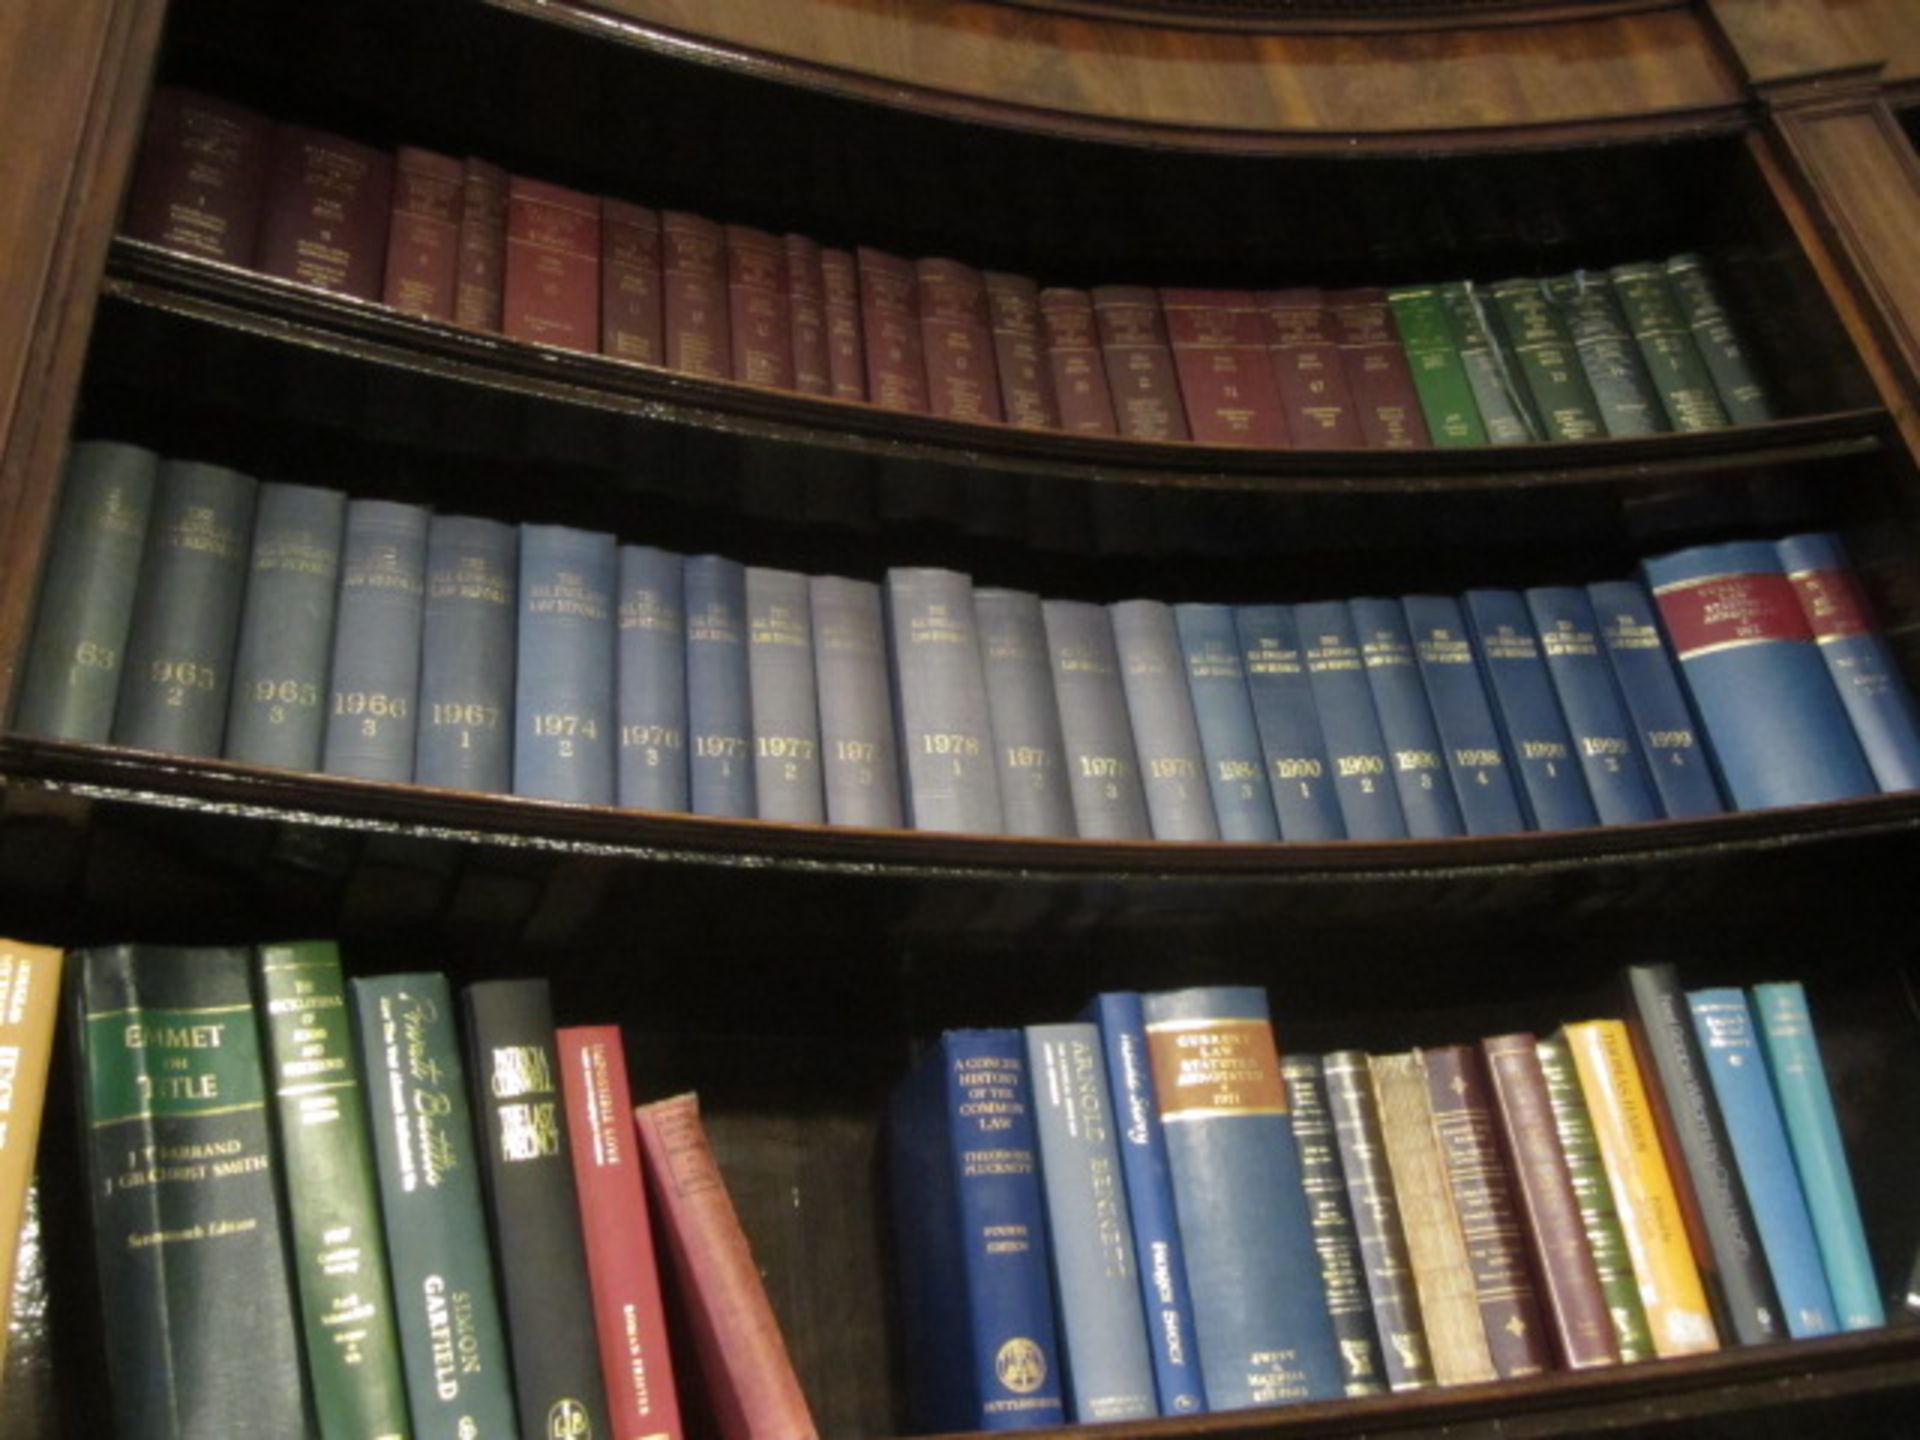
point(1226, 379)
point(553, 266)
point(846, 336)
point(1019, 352)
point(693, 277)
point(423, 239)
point(761, 324)
point(896, 360)
point(632, 318)
point(327, 207)
point(1376, 367)
point(956, 333)
point(198, 184)
point(1076, 362)
point(479, 285)
point(1308, 371)
point(807, 312)
point(1133, 338)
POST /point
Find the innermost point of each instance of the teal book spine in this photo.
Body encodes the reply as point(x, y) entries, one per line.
point(374, 690)
point(1666, 343)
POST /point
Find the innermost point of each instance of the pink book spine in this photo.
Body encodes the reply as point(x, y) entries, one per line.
point(1377, 373)
point(1309, 372)
point(956, 338)
point(479, 287)
point(807, 305)
point(1076, 362)
point(1133, 336)
point(896, 363)
point(1019, 352)
point(553, 266)
point(200, 178)
point(423, 240)
point(1226, 380)
point(846, 336)
point(757, 303)
point(328, 204)
point(693, 272)
point(632, 319)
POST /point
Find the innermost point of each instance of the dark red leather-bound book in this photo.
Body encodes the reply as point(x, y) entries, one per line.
point(807, 310)
point(479, 287)
point(1133, 337)
point(1220, 354)
point(846, 336)
point(1309, 372)
point(325, 218)
point(1020, 352)
point(757, 303)
point(201, 176)
point(423, 239)
point(693, 274)
point(1077, 363)
point(963, 382)
point(1377, 373)
point(553, 265)
point(632, 318)
point(896, 363)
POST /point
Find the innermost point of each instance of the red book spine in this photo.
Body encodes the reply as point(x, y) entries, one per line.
point(1309, 372)
point(743, 1361)
point(757, 302)
point(1226, 380)
point(632, 319)
point(327, 207)
point(200, 178)
point(693, 273)
point(896, 364)
point(629, 1320)
point(963, 383)
point(553, 266)
point(846, 338)
point(423, 240)
point(1377, 372)
point(807, 307)
point(1076, 363)
point(1133, 337)
point(479, 286)
point(1019, 353)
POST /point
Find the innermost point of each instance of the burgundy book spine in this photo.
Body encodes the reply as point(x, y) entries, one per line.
point(480, 285)
point(956, 335)
point(1076, 362)
point(632, 321)
point(325, 219)
point(423, 239)
point(1220, 354)
point(757, 303)
point(1377, 372)
point(807, 305)
point(1309, 373)
point(693, 272)
point(1133, 337)
point(1569, 1282)
point(846, 336)
point(553, 265)
point(896, 364)
point(1020, 353)
point(201, 177)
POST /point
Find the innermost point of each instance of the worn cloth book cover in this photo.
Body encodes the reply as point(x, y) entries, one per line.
point(423, 238)
point(563, 747)
point(1139, 363)
point(324, 218)
point(846, 335)
point(1419, 765)
point(1077, 363)
point(200, 176)
point(29, 1004)
point(781, 685)
point(1363, 780)
point(1547, 360)
point(1029, 746)
point(860, 758)
point(1299, 774)
point(1437, 366)
point(693, 280)
point(719, 690)
point(940, 699)
point(1020, 352)
point(1603, 732)
point(553, 266)
point(1226, 376)
point(1623, 391)
point(1671, 744)
point(1527, 711)
point(1493, 371)
point(651, 698)
point(1476, 758)
point(890, 331)
point(956, 336)
point(1103, 770)
point(1384, 397)
point(760, 314)
point(633, 315)
point(1153, 674)
point(1223, 709)
point(1666, 343)
point(373, 699)
point(465, 737)
point(1309, 371)
point(1695, 290)
point(479, 285)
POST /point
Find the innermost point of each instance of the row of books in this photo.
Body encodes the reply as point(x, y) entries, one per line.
point(1149, 1212)
point(1639, 349)
point(186, 609)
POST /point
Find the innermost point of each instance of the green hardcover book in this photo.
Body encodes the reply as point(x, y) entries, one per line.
point(1741, 392)
point(1660, 330)
point(1492, 370)
point(1629, 403)
point(1597, 1213)
point(1439, 375)
point(1549, 364)
point(326, 1149)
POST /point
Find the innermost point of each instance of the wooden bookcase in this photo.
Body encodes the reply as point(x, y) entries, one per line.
point(785, 971)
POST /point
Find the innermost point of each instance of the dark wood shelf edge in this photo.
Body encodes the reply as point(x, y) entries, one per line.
point(1332, 19)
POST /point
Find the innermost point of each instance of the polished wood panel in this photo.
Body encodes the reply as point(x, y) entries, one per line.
point(1775, 40)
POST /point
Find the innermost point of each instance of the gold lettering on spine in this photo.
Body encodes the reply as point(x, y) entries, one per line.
point(1211, 1068)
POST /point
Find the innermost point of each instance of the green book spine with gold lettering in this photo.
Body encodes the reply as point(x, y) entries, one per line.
point(1629, 403)
point(1492, 370)
point(1666, 343)
point(1439, 373)
point(1694, 291)
point(1548, 361)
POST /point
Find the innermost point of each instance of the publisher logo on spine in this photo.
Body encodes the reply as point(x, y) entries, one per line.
point(1021, 1365)
point(568, 1420)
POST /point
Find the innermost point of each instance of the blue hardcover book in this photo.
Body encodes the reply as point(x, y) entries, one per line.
point(940, 701)
point(970, 1226)
point(1406, 719)
point(1476, 759)
point(1259, 1303)
point(1738, 1071)
point(1103, 1329)
point(780, 682)
point(1299, 775)
point(1166, 736)
point(860, 762)
point(1356, 748)
point(1602, 731)
point(1552, 789)
point(650, 660)
point(1806, 1104)
point(1772, 716)
point(1029, 749)
point(1229, 738)
point(373, 701)
point(1864, 671)
point(1103, 771)
point(719, 692)
point(563, 690)
point(466, 655)
point(1663, 723)
point(1160, 1259)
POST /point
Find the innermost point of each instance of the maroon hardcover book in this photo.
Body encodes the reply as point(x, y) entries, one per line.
point(757, 303)
point(325, 219)
point(1133, 337)
point(807, 308)
point(1220, 354)
point(423, 239)
point(1309, 372)
point(956, 334)
point(1376, 366)
point(201, 176)
point(693, 273)
point(553, 265)
point(846, 337)
point(1076, 363)
point(479, 286)
point(632, 319)
point(896, 364)
point(1020, 354)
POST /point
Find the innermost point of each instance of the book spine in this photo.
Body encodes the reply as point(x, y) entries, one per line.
point(1406, 719)
point(693, 284)
point(1742, 395)
point(200, 176)
point(465, 740)
point(563, 689)
point(1090, 1230)
point(325, 215)
point(74, 660)
point(633, 317)
point(1603, 733)
point(1223, 710)
point(479, 287)
point(1226, 378)
point(1820, 1157)
point(860, 764)
point(1670, 742)
point(452, 1340)
point(533, 1208)
point(333, 1205)
point(1438, 368)
point(1076, 363)
point(1384, 397)
point(1528, 712)
point(1356, 747)
point(1548, 362)
point(1260, 1308)
point(761, 320)
point(1019, 353)
point(846, 338)
point(1139, 363)
point(1299, 775)
point(651, 661)
point(1029, 746)
point(552, 287)
point(1476, 759)
point(423, 237)
point(781, 690)
point(29, 1005)
point(1623, 391)
point(1492, 373)
point(177, 675)
point(1660, 330)
point(956, 336)
point(374, 681)
point(807, 306)
point(945, 727)
point(1160, 710)
point(719, 688)
point(286, 628)
point(890, 325)
point(1103, 770)
point(1309, 372)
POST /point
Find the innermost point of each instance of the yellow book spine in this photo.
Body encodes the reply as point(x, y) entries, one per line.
point(29, 1001)
point(1663, 1262)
